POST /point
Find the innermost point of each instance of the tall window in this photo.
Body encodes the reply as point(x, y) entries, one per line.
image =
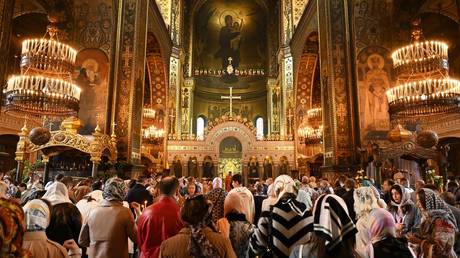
point(200, 128)
point(260, 128)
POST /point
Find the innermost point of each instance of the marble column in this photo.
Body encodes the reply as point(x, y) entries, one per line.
point(129, 77)
point(338, 86)
point(187, 108)
point(6, 16)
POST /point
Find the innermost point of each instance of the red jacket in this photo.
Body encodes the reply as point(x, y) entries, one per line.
point(157, 223)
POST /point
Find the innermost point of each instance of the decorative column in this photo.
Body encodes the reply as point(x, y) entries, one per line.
point(174, 98)
point(187, 108)
point(274, 104)
point(129, 77)
point(6, 15)
point(286, 71)
point(341, 134)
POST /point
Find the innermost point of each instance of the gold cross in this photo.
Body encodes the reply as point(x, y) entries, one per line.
point(231, 98)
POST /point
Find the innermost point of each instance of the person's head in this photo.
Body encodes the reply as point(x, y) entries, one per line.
point(284, 187)
point(228, 20)
point(196, 210)
point(81, 191)
point(22, 187)
point(230, 173)
point(57, 193)
point(234, 203)
point(365, 201)
point(97, 185)
point(168, 185)
point(381, 225)
point(12, 229)
point(269, 181)
point(404, 182)
point(217, 183)
point(143, 180)
point(350, 184)
point(236, 24)
point(191, 189)
point(419, 184)
point(114, 190)
point(449, 198)
point(68, 182)
point(237, 180)
point(259, 189)
point(387, 184)
point(37, 214)
point(58, 178)
point(305, 180)
point(7, 180)
point(397, 192)
point(452, 186)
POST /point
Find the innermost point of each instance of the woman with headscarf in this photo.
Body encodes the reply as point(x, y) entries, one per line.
point(365, 202)
point(12, 228)
point(198, 238)
point(65, 223)
point(108, 227)
point(404, 211)
point(217, 197)
point(436, 235)
point(334, 231)
point(37, 216)
point(285, 225)
point(305, 198)
point(382, 237)
point(235, 225)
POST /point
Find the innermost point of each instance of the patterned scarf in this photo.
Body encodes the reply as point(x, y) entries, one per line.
point(12, 228)
point(437, 208)
point(331, 220)
point(37, 215)
point(199, 245)
point(114, 190)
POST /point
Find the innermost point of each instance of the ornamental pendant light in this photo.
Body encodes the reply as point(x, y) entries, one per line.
point(45, 86)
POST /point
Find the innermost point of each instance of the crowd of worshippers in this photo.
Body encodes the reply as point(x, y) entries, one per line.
point(188, 217)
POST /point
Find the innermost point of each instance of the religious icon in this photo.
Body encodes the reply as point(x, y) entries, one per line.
point(229, 41)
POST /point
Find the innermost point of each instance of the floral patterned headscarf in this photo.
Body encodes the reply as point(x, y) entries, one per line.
point(436, 207)
point(12, 228)
point(114, 190)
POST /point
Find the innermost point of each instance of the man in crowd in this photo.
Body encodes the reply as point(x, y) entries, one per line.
point(161, 220)
point(386, 190)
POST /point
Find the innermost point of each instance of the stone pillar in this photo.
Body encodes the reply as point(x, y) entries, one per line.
point(187, 108)
point(129, 77)
point(337, 55)
point(174, 98)
point(6, 16)
point(286, 70)
point(271, 107)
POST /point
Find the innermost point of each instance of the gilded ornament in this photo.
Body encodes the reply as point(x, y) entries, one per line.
point(399, 134)
point(427, 138)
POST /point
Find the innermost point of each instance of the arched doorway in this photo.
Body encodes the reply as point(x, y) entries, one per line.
point(230, 156)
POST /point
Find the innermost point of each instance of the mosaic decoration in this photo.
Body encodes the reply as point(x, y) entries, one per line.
point(165, 10)
point(298, 7)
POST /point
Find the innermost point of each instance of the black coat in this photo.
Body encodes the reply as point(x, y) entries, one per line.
point(138, 193)
point(65, 223)
point(350, 201)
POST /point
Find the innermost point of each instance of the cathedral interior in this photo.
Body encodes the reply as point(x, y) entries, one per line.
point(206, 87)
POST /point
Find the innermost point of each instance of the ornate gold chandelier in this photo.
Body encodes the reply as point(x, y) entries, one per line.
point(45, 85)
point(423, 88)
point(313, 132)
point(153, 135)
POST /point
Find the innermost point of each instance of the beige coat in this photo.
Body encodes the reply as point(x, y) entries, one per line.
point(176, 246)
point(41, 247)
point(106, 231)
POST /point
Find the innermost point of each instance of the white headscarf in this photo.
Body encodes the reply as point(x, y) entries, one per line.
point(217, 183)
point(57, 193)
point(305, 197)
point(248, 200)
point(284, 184)
point(37, 215)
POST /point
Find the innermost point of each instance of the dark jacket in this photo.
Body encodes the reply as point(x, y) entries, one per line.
point(65, 223)
point(392, 247)
point(350, 202)
point(138, 193)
